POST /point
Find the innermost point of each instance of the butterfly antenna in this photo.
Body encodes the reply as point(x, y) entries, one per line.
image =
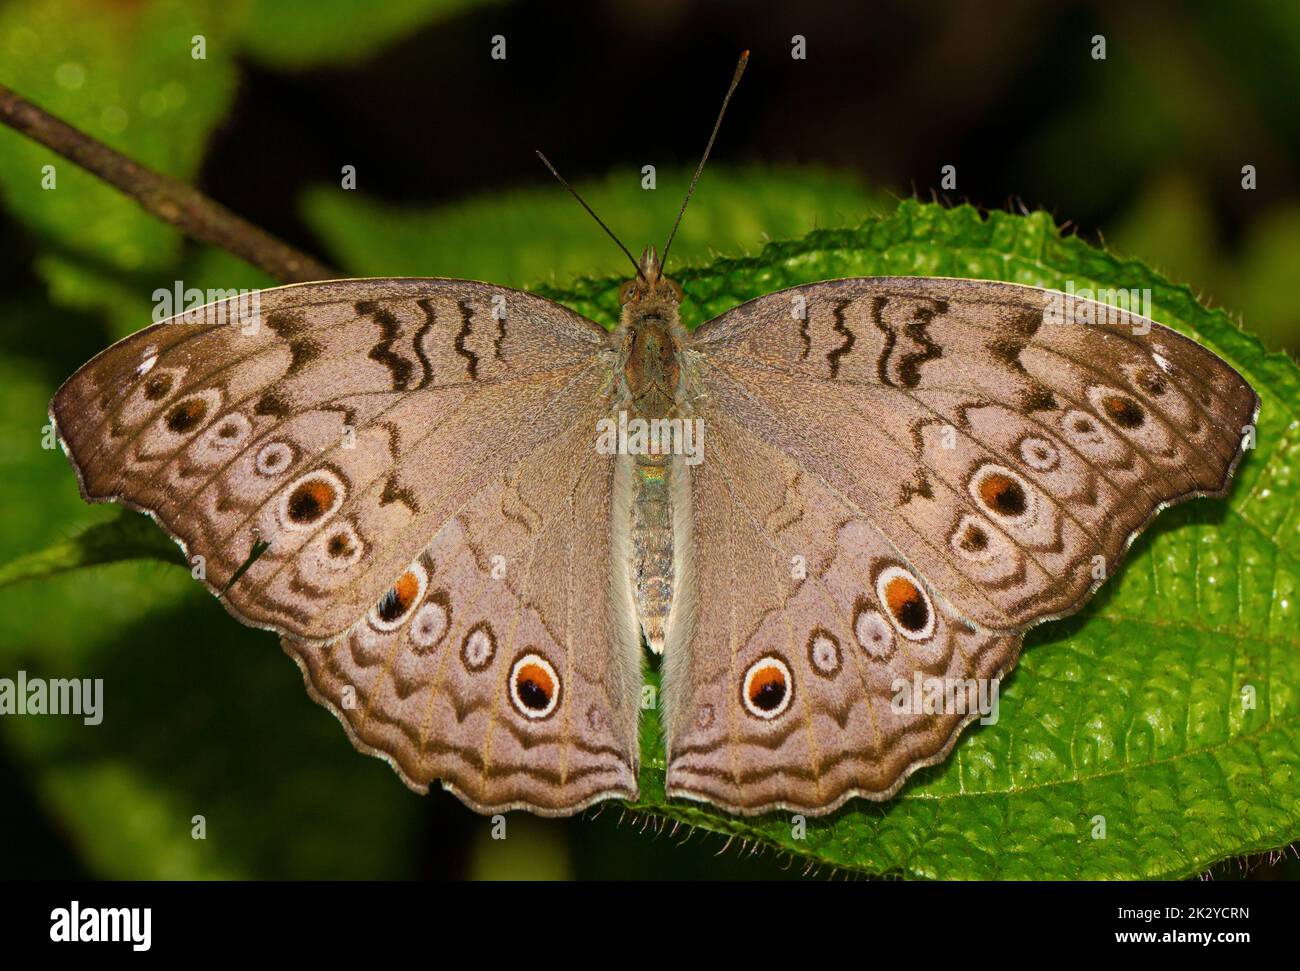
point(574, 193)
point(735, 80)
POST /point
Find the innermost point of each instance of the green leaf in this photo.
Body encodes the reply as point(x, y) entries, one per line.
point(519, 237)
point(127, 537)
point(124, 74)
point(1131, 710)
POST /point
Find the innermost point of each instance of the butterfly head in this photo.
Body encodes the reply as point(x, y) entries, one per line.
point(650, 291)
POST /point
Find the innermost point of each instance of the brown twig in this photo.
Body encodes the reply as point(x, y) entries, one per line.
point(170, 200)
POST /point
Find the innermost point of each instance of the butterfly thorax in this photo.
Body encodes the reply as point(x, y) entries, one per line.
point(651, 341)
point(651, 347)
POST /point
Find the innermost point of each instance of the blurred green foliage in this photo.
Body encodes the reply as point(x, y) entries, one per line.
point(203, 717)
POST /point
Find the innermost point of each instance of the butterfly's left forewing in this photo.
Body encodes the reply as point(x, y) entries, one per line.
point(341, 423)
point(900, 476)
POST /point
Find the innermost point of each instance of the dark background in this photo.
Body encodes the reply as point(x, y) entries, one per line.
point(1142, 151)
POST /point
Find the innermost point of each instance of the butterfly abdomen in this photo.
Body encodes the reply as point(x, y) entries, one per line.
point(652, 547)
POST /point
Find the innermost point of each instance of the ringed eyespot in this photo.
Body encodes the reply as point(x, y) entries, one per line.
point(1123, 411)
point(479, 647)
point(1081, 427)
point(187, 415)
point(767, 689)
point(1002, 492)
point(311, 499)
point(227, 432)
point(906, 603)
point(534, 686)
point(342, 545)
point(395, 605)
point(432, 620)
point(274, 458)
point(873, 633)
point(972, 540)
point(824, 652)
point(1039, 454)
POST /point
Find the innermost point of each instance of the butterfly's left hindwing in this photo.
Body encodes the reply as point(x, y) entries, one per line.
point(949, 462)
point(501, 662)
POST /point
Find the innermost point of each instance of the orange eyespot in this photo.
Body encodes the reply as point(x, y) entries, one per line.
point(906, 603)
point(534, 686)
point(187, 415)
point(767, 688)
point(1002, 494)
point(310, 500)
point(904, 599)
point(1123, 411)
point(396, 605)
point(398, 600)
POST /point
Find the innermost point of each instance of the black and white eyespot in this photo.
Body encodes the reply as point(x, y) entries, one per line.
point(1004, 494)
point(275, 458)
point(824, 653)
point(906, 603)
point(1039, 454)
point(767, 688)
point(478, 647)
point(534, 686)
point(311, 499)
point(400, 599)
point(432, 621)
point(873, 632)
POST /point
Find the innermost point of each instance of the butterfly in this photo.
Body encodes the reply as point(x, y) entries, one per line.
point(468, 511)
